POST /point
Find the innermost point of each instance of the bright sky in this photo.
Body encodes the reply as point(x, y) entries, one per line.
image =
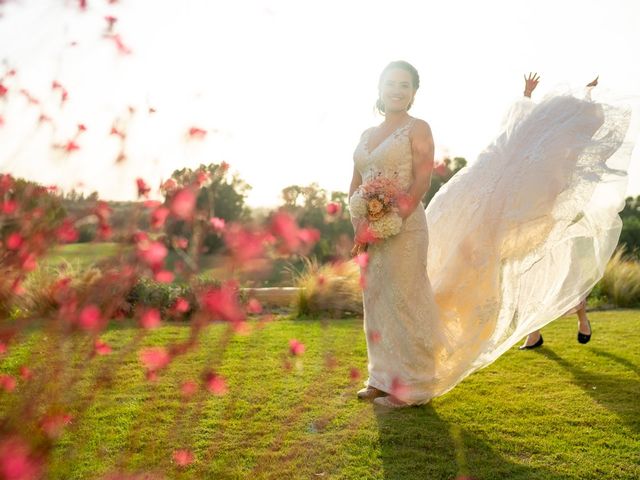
point(284, 88)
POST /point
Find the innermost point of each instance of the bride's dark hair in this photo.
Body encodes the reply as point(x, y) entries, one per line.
point(415, 79)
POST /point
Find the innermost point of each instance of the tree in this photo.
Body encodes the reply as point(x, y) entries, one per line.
point(630, 214)
point(442, 173)
point(314, 207)
point(219, 195)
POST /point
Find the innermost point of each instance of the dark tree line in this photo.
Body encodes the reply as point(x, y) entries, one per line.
point(630, 236)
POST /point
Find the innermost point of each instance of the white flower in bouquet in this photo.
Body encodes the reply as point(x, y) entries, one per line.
point(357, 205)
point(386, 226)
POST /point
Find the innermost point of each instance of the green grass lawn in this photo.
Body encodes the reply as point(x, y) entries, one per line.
point(82, 255)
point(564, 411)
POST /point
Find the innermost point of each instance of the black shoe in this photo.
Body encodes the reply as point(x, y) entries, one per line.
point(535, 345)
point(583, 337)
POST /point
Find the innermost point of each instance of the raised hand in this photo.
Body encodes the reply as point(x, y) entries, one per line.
point(593, 82)
point(530, 83)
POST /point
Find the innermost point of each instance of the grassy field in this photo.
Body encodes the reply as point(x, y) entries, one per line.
point(565, 411)
point(82, 255)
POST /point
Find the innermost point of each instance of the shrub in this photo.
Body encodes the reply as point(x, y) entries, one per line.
point(332, 289)
point(621, 280)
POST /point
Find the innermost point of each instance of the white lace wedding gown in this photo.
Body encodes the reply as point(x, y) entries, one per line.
point(514, 240)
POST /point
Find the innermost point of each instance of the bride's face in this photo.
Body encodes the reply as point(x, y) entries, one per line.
point(396, 90)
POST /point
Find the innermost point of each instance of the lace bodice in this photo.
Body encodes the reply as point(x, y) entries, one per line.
point(391, 158)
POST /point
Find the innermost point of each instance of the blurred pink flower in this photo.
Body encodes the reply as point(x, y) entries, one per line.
point(181, 305)
point(71, 146)
point(294, 239)
point(25, 372)
point(17, 461)
point(102, 210)
point(143, 188)
point(183, 203)
point(159, 216)
point(362, 259)
point(441, 170)
point(163, 276)
point(188, 388)
point(254, 306)
point(53, 425)
point(152, 253)
point(154, 358)
point(399, 389)
point(195, 132)
point(217, 223)
point(333, 208)
point(122, 48)
point(215, 384)
point(183, 457)
point(150, 318)
point(101, 348)
point(7, 382)
point(202, 177)
point(90, 318)
point(67, 233)
point(14, 241)
point(244, 244)
point(374, 336)
point(296, 348)
point(9, 207)
point(111, 20)
point(222, 303)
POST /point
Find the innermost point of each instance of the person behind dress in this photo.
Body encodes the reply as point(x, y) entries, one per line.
point(534, 339)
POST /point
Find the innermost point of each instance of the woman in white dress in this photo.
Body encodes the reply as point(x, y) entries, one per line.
point(513, 239)
point(398, 302)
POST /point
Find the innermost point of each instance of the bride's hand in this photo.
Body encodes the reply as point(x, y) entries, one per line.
point(358, 248)
point(530, 83)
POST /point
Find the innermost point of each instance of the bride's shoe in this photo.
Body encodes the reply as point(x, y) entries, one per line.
point(369, 393)
point(584, 337)
point(390, 402)
point(534, 345)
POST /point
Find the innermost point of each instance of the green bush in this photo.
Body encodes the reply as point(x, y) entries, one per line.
point(149, 293)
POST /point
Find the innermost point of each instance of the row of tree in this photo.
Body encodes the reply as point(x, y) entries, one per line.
point(224, 195)
point(630, 236)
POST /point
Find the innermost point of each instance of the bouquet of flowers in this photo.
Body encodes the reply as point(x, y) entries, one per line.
point(376, 203)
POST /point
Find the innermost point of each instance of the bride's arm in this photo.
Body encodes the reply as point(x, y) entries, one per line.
point(356, 181)
point(422, 149)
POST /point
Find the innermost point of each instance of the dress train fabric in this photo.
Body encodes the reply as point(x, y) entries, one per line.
point(514, 240)
point(524, 233)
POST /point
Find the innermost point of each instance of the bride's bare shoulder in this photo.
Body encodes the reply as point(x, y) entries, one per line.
point(420, 123)
point(420, 128)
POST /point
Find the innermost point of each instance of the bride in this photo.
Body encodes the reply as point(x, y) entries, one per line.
point(512, 240)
